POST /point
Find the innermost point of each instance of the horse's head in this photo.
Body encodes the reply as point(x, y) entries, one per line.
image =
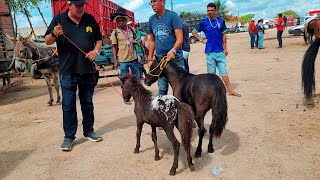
point(129, 82)
point(154, 72)
point(22, 48)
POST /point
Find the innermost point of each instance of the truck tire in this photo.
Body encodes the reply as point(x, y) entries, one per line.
point(297, 32)
point(192, 40)
point(35, 73)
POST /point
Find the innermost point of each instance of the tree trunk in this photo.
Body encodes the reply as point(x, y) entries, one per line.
point(42, 17)
point(32, 30)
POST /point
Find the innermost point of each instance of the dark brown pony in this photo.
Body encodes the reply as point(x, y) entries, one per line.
point(312, 28)
point(202, 92)
point(308, 81)
point(43, 59)
point(160, 111)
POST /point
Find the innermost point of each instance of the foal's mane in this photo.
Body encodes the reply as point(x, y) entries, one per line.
point(139, 88)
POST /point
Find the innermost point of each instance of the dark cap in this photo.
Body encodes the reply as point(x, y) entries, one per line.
point(78, 2)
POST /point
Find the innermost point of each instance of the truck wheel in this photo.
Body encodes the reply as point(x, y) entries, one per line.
point(35, 73)
point(296, 32)
point(192, 40)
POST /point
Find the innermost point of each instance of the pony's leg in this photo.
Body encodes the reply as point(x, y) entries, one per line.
point(210, 145)
point(154, 139)
point(49, 89)
point(138, 135)
point(56, 85)
point(176, 145)
point(201, 132)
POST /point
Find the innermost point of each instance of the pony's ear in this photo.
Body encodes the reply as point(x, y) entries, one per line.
point(11, 39)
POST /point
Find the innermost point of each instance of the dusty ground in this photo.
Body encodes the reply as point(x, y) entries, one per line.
point(271, 134)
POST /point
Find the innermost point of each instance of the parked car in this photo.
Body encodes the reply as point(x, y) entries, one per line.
point(240, 29)
point(297, 30)
point(193, 39)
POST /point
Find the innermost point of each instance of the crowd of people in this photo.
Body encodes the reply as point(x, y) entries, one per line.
point(79, 40)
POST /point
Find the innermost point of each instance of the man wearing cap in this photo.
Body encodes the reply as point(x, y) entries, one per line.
point(123, 41)
point(252, 32)
point(76, 68)
point(165, 29)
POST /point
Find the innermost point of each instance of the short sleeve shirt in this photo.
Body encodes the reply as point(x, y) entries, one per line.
point(126, 49)
point(139, 35)
point(164, 32)
point(213, 30)
point(84, 35)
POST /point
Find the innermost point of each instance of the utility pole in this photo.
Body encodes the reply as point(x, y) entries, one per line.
point(171, 5)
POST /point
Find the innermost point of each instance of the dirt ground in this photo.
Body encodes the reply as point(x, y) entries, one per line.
point(270, 134)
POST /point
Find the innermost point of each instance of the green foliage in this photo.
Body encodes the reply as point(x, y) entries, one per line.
point(191, 15)
point(222, 8)
point(289, 13)
point(247, 18)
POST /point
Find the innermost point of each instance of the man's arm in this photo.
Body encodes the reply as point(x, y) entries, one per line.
point(95, 52)
point(115, 55)
point(151, 49)
point(195, 34)
point(224, 43)
point(177, 44)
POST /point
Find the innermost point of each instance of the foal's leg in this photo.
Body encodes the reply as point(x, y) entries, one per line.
point(201, 132)
point(47, 78)
point(56, 85)
point(176, 145)
point(154, 139)
point(138, 135)
point(210, 145)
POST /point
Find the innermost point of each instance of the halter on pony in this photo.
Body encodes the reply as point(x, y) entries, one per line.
point(162, 64)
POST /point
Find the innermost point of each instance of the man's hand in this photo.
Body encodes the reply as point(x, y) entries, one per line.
point(170, 55)
point(225, 51)
point(57, 30)
point(92, 55)
point(115, 64)
point(204, 41)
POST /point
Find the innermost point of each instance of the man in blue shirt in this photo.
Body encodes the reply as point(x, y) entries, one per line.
point(216, 45)
point(165, 29)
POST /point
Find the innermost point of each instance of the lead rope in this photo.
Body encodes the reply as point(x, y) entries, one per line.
point(162, 64)
point(93, 63)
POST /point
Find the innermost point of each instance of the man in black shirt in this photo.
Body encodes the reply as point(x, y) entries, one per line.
point(76, 68)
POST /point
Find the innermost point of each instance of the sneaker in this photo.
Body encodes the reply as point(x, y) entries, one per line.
point(92, 136)
point(67, 144)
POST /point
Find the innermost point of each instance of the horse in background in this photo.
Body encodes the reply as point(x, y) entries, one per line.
point(308, 76)
point(160, 111)
point(312, 28)
point(43, 60)
point(202, 92)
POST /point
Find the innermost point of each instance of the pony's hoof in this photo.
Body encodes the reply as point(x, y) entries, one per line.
point(157, 158)
point(49, 103)
point(210, 150)
point(172, 172)
point(136, 151)
point(197, 154)
point(191, 166)
point(58, 103)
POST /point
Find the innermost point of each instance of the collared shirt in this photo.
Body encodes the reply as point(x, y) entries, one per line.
point(84, 35)
point(126, 49)
point(214, 30)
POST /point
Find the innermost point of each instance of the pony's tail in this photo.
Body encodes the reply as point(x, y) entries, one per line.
point(185, 124)
point(219, 111)
point(307, 71)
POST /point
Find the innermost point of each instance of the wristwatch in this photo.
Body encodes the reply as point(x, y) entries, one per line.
point(53, 35)
point(174, 51)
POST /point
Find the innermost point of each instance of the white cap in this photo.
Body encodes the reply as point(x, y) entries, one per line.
point(252, 19)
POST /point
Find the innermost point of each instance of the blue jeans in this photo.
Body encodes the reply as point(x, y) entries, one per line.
point(252, 39)
point(163, 82)
point(260, 40)
point(69, 85)
point(142, 70)
point(133, 65)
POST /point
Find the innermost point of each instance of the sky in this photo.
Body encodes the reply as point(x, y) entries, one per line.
point(265, 9)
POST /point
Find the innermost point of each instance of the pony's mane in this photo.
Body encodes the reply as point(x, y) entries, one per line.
point(140, 89)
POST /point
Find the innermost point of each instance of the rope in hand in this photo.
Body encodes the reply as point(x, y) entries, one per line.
point(162, 64)
point(93, 62)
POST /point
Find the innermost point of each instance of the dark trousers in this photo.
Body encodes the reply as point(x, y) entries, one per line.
point(69, 85)
point(279, 37)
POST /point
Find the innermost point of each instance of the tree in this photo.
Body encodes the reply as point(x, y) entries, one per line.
point(23, 7)
point(222, 9)
point(246, 18)
point(289, 13)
